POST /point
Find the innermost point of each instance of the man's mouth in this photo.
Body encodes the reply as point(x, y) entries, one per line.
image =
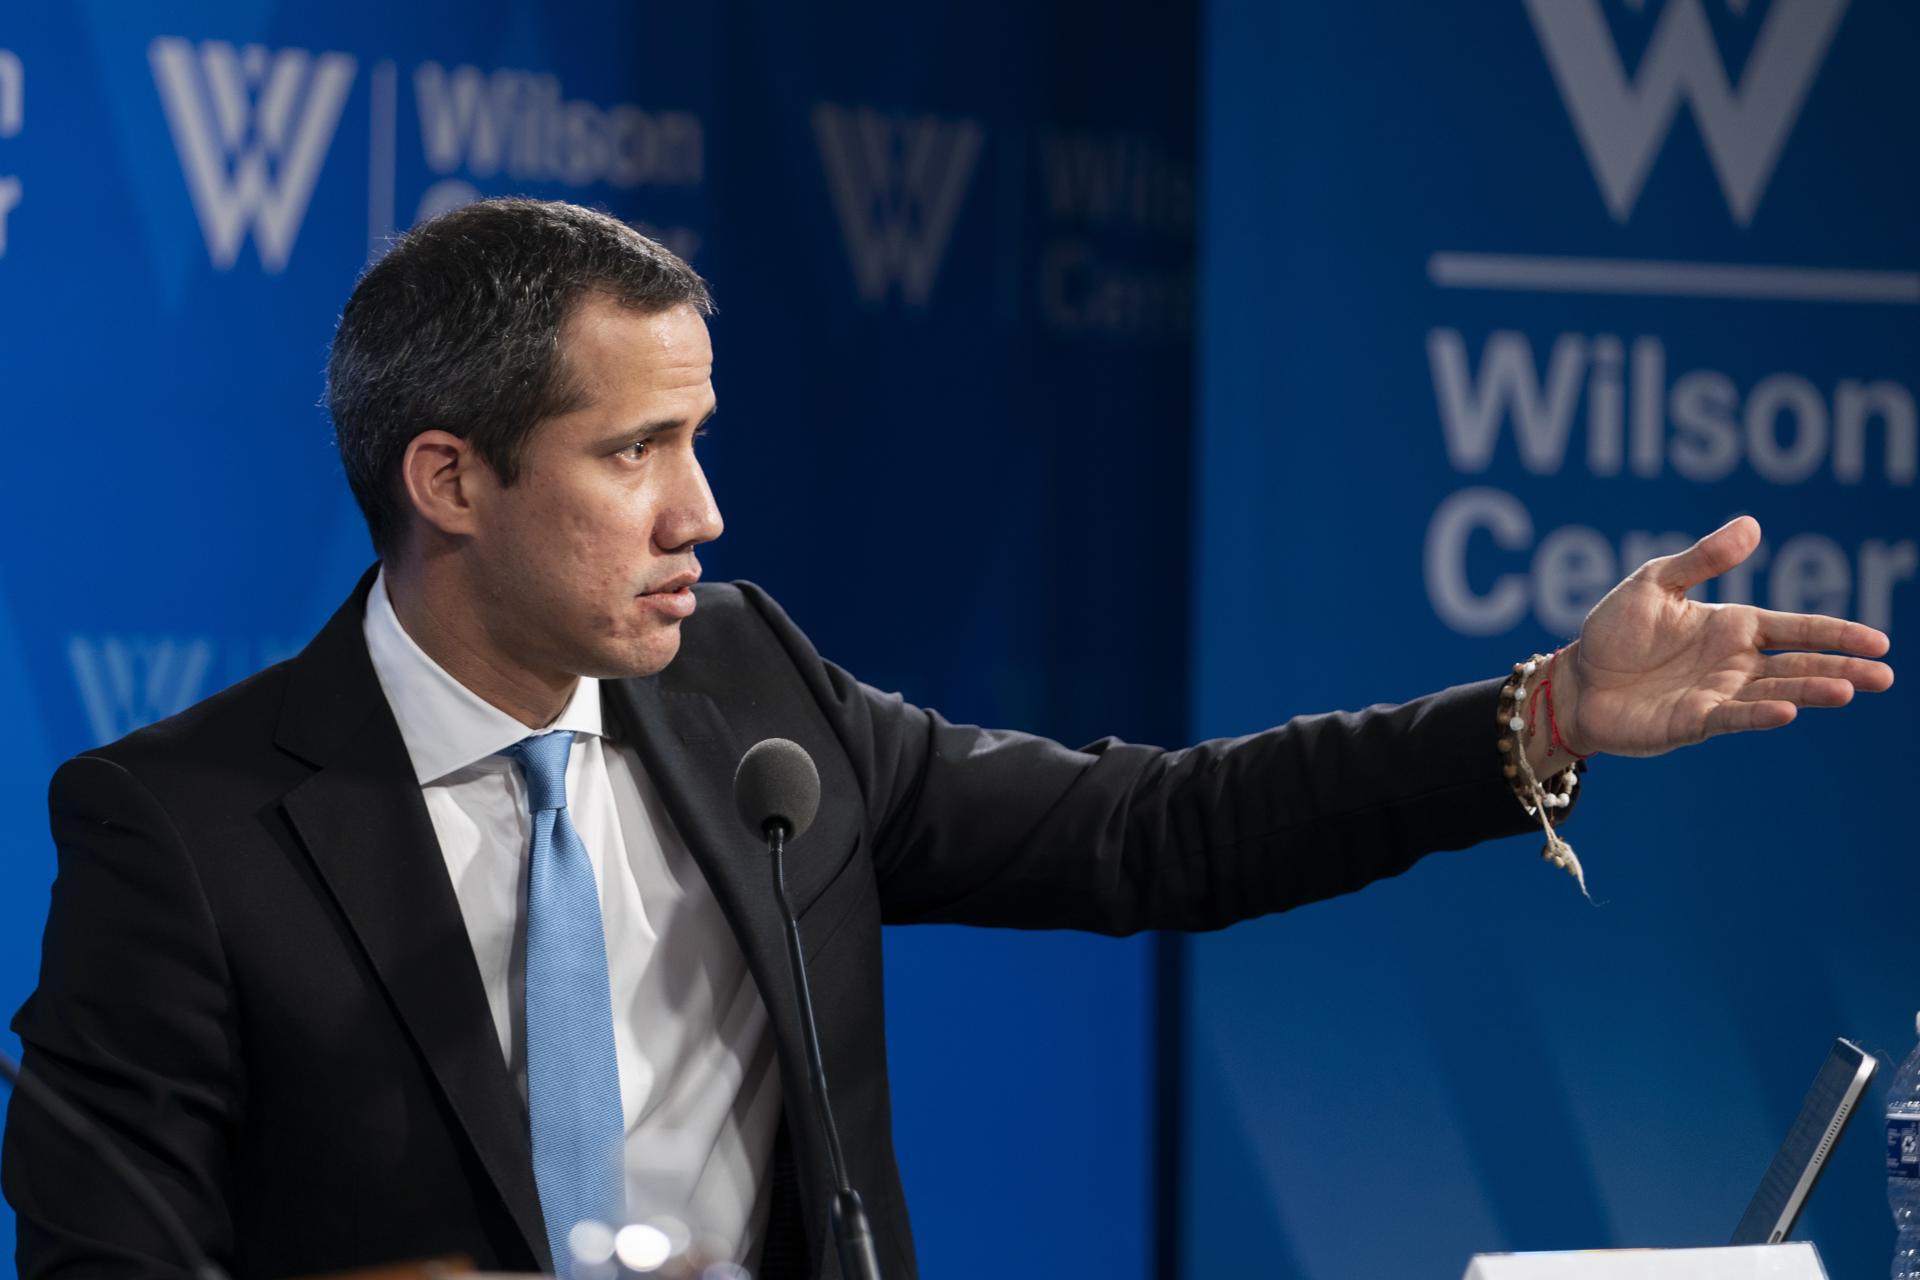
point(674, 596)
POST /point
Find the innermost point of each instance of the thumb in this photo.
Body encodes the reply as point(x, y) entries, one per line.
point(1710, 557)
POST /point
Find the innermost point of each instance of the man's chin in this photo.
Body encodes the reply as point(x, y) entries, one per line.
point(648, 658)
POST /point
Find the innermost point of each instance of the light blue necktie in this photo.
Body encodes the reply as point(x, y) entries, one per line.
point(573, 1076)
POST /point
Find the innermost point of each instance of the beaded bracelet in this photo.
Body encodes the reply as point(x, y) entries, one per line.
point(1549, 800)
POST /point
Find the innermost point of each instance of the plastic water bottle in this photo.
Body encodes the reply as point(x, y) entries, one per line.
point(1903, 1163)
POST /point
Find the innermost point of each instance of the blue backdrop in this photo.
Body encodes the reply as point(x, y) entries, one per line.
point(1497, 301)
point(954, 273)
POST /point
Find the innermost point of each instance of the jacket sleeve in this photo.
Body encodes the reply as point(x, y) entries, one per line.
point(143, 1044)
point(989, 827)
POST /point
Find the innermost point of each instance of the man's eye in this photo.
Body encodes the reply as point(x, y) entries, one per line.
point(637, 450)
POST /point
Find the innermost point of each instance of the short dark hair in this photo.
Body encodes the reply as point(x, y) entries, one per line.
point(458, 328)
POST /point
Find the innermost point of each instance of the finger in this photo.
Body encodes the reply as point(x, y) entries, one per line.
point(1868, 677)
point(1802, 691)
point(1817, 631)
point(1739, 717)
point(1713, 555)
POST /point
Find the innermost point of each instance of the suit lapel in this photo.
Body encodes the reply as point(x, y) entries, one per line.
point(365, 825)
point(690, 753)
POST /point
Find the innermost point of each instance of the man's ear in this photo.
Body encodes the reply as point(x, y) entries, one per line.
point(442, 478)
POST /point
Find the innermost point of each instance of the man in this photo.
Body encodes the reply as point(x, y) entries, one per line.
point(444, 936)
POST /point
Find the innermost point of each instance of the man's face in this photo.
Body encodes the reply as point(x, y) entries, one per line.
point(584, 565)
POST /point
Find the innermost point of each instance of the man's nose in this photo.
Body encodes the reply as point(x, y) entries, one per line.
point(690, 516)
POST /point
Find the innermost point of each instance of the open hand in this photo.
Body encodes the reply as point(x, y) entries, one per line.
point(1653, 670)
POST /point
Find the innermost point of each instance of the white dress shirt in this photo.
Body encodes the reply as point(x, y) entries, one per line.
point(699, 1085)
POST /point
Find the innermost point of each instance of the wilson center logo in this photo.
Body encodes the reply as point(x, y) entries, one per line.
point(129, 681)
point(1623, 122)
point(252, 128)
point(897, 185)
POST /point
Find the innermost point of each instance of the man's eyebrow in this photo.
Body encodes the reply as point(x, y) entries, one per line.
point(670, 424)
point(647, 431)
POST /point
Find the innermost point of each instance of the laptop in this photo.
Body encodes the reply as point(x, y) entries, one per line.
point(1796, 1166)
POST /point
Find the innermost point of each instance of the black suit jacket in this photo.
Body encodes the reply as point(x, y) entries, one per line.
point(256, 977)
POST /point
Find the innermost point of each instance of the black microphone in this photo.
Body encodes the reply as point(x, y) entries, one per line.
point(88, 1135)
point(777, 790)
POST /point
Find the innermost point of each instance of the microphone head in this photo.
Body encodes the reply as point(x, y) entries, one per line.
point(776, 785)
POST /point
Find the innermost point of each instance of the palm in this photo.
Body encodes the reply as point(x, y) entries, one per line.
point(1656, 670)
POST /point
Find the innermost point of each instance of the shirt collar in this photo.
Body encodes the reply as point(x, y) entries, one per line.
point(445, 725)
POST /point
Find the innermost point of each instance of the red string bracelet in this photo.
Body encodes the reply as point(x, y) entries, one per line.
point(1547, 800)
point(1533, 709)
point(1553, 725)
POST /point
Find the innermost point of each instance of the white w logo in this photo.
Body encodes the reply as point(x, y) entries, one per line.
point(252, 129)
point(1622, 123)
point(127, 682)
point(897, 185)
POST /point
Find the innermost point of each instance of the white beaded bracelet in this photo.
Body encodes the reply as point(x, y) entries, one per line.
point(1547, 801)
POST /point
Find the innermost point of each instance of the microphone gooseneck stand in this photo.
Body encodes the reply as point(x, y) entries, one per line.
point(88, 1135)
point(852, 1231)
